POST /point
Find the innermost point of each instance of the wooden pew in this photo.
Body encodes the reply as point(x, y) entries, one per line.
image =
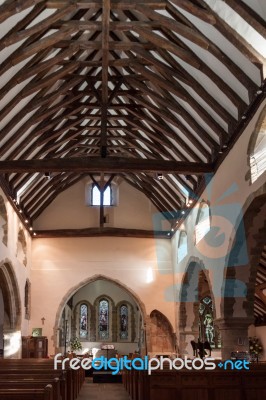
point(193, 385)
point(27, 394)
point(33, 384)
point(70, 380)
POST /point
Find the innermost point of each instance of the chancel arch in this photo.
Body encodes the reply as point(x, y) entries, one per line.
point(102, 297)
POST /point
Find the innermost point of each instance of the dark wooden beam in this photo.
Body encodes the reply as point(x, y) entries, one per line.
point(98, 164)
point(115, 4)
point(98, 232)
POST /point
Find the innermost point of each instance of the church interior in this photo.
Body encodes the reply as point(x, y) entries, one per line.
point(132, 194)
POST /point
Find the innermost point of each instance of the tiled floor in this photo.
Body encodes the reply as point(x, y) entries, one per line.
point(100, 391)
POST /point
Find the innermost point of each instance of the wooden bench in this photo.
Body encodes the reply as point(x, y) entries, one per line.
point(74, 378)
point(27, 394)
point(193, 385)
point(33, 384)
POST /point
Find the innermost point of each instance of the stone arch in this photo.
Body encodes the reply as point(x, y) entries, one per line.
point(12, 308)
point(85, 282)
point(162, 338)
point(254, 225)
point(3, 221)
point(22, 247)
point(195, 284)
point(237, 305)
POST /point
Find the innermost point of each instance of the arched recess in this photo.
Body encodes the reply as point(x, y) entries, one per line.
point(254, 226)
point(3, 221)
point(11, 309)
point(237, 305)
point(75, 288)
point(22, 247)
point(162, 336)
point(193, 325)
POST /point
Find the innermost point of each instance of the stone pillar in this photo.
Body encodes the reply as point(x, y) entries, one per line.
point(234, 334)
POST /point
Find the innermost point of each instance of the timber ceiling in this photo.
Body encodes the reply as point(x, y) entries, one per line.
point(126, 88)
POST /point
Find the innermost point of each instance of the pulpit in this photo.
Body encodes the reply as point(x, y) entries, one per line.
point(34, 347)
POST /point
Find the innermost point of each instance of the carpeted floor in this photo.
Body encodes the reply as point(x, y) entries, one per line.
point(101, 391)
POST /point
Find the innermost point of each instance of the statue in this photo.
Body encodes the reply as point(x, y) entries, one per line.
point(209, 328)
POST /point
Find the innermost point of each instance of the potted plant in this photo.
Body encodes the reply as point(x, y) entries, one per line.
point(75, 345)
point(255, 348)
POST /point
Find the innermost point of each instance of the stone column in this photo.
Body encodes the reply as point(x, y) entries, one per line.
point(234, 334)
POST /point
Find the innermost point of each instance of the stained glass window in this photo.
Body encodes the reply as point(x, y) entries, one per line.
point(207, 331)
point(104, 319)
point(83, 328)
point(123, 322)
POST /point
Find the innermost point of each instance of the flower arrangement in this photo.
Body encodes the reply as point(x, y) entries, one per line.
point(75, 344)
point(255, 346)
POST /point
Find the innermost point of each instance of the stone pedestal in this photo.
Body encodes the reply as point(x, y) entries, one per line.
point(234, 335)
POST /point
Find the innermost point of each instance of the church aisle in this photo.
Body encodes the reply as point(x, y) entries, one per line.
point(99, 391)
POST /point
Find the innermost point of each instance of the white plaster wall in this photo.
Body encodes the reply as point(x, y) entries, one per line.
point(61, 264)
point(68, 210)
point(233, 172)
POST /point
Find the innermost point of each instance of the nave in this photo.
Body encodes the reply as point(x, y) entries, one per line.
point(99, 391)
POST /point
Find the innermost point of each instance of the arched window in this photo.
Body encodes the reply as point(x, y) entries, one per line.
point(203, 222)
point(103, 319)
point(93, 194)
point(123, 317)
point(182, 246)
point(96, 196)
point(257, 152)
point(83, 321)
